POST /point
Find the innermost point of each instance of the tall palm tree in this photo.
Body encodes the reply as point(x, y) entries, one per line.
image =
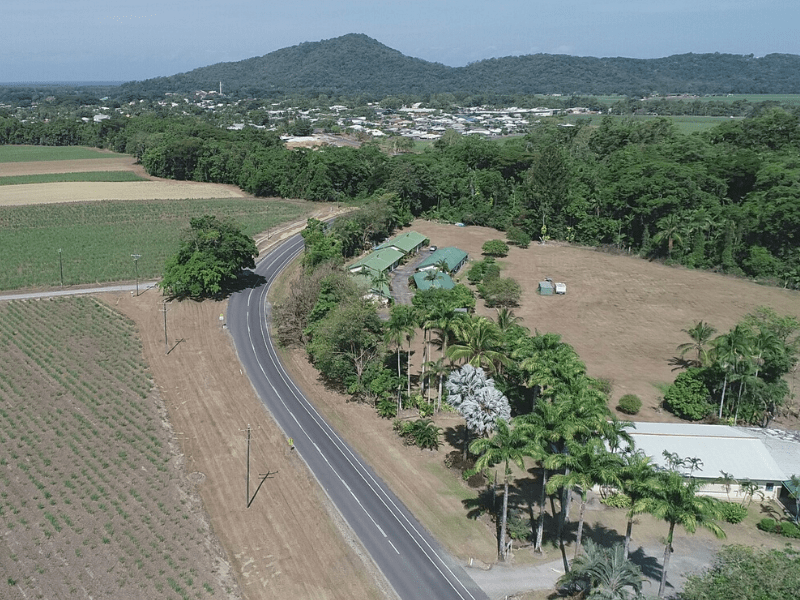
point(731, 351)
point(585, 465)
point(541, 427)
point(604, 574)
point(506, 319)
point(506, 446)
point(794, 481)
point(676, 501)
point(437, 370)
point(478, 342)
point(399, 327)
point(701, 334)
point(638, 479)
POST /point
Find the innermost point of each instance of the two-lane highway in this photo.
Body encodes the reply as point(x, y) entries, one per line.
point(410, 559)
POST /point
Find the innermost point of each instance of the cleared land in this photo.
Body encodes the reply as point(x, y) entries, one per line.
point(623, 315)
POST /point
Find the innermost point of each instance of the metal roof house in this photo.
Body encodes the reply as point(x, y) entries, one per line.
point(453, 257)
point(409, 242)
point(380, 292)
point(385, 259)
point(442, 281)
point(719, 448)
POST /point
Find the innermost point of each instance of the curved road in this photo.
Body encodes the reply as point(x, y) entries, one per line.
point(410, 559)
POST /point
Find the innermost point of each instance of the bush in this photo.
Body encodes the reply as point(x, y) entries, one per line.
point(618, 500)
point(500, 291)
point(518, 237)
point(688, 396)
point(630, 404)
point(387, 408)
point(495, 248)
point(732, 513)
point(422, 432)
point(790, 530)
point(767, 525)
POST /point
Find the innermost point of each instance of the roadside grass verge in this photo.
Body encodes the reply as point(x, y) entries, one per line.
point(91, 176)
point(11, 153)
point(97, 239)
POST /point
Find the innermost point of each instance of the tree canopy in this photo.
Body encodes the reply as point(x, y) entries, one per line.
point(211, 255)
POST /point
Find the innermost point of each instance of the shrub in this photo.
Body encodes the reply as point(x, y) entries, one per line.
point(495, 248)
point(500, 291)
point(617, 501)
point(688, 396)
point(790, 530)
point(630, 404)
point(518, 237)
point(387, 407)
point(732, 512)
point(767, 525)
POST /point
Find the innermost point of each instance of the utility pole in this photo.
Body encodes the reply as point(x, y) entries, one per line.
point(60, 268)
point(166, 344)
point(136, 258)
point(248, 466)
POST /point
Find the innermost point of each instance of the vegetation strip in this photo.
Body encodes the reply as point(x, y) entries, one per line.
point(100, 176)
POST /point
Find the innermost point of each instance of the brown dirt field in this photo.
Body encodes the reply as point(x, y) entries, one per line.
point(154, 189)
point(42, 167)
point(623, 315)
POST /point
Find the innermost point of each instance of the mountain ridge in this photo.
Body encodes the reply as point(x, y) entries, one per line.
point(357, 64)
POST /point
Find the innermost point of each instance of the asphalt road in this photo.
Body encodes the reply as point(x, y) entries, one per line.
point(411, 560)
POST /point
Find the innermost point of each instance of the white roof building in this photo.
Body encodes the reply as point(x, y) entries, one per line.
point(719, 448)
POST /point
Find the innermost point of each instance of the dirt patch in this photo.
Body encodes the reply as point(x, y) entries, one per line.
point(289, 543)
point(44, 167)
point(623, 315)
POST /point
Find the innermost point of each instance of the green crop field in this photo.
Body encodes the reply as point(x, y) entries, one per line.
point(91, 503)
point(39, 153)
point(97, 239)
point(685, 124)
point(92, 176)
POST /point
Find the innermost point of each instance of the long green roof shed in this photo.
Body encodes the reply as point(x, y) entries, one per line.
point(381, 260)
point(453, 257)
point(408, 243)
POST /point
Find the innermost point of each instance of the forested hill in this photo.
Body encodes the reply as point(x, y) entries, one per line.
point(358, 64)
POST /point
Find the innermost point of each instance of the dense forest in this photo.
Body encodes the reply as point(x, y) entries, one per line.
point(727, 199)
point(358, 64)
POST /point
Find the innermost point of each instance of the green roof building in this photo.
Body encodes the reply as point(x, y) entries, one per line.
point(408, 243)
point(364, 281)
point(443, 281)
point(453, 257)
point(385, 259)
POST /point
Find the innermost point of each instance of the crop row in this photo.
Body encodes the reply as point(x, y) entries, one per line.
point(83, 461)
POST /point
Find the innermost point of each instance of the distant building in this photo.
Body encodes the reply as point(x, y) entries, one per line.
point(719, 448)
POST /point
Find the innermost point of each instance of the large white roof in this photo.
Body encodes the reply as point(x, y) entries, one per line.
point(719, 447)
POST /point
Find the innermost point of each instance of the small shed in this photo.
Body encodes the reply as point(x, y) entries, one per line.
point(546, 288)
point(561, 288)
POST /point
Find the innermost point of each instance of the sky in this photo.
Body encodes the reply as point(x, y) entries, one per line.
point(111, 40)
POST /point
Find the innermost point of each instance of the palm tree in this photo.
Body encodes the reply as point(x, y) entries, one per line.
point(379, 280)
point(669, 230)
point(400, 325)
point(507, 445)
point(638, 478)
point(676, 501)
point(437, 370)
point(701, 334)
point(542, 428)
point(604, 574)
point(586, 465)
point(479, 340)
point(506, 319)
point(731, 350)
